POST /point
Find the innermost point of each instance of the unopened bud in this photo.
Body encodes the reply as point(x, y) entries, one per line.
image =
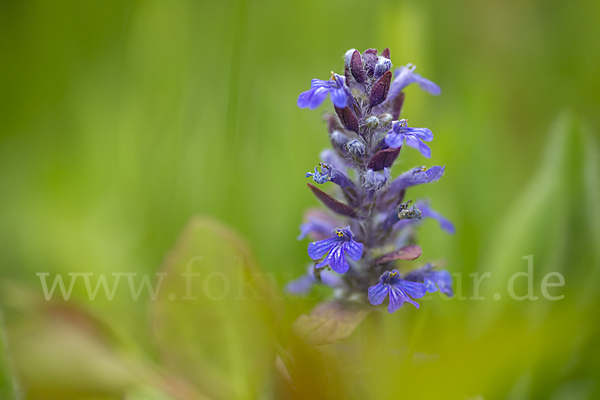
point(339, 138)
point(385, 119)
point(372, 122)
point(348, 57)
point(355, 148)
point(383, 65)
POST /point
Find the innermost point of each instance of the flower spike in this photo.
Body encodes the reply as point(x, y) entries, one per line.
point(367, 136)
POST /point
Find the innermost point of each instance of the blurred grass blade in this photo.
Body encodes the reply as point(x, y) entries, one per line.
point(534, 225)
point(591, 182)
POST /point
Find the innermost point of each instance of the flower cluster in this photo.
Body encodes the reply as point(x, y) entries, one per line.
point(370, 226)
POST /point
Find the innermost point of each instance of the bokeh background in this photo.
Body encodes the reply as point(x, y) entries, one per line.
point(121, 120)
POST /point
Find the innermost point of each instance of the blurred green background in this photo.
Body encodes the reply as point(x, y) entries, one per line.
point(120, 120)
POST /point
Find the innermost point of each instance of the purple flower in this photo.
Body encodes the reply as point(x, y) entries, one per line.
point(318, 177)
point(404, 76)
point(428, 212)
point(302, 285)
point(329, 156)
point(433, 280)
point(415, 176)
point(318, 224)
point(338, 246)
point(328, 173)
point(398, 289)
point(314, 97)
point(401, 133)
point(313, 226)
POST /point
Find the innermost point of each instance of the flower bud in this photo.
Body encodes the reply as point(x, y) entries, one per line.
point(348, 57)
point(372, 122)
point(385, 119)
point(383, 65)
point(369, 59)
point(338, 138)
point(355, 148)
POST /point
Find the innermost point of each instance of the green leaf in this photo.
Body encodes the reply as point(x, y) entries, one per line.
point(215, 328)
point(329, 322)
point(65, 353)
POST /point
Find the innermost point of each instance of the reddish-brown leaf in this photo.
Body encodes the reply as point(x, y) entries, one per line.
point(380, 89)
point(383, 159)
point(333, 204)
point(397, 106)
point(348, 118)
point(328, 323)
point(411, 252)
point(356, 66)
